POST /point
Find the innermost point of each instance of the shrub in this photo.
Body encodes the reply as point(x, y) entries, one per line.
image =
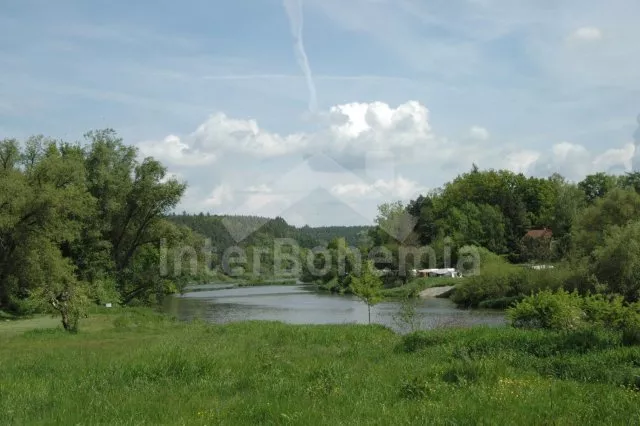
point(569, 311)
point(501, 282)
point(555, 311)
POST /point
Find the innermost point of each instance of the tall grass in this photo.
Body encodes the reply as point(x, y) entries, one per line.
point(137, 367)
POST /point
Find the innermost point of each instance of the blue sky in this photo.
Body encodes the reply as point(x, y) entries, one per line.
point(214, 89)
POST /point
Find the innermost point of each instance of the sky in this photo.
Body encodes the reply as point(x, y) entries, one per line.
point(320, 110)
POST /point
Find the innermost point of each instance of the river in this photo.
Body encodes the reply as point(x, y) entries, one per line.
point(303, 304)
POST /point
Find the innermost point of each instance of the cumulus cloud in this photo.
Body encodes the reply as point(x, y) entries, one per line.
point(259, 189)
point(268, 173)
point(175, 152)
point(521, 161)
point(220, 195)
point(480, 133)
point(357, 128)
point(220, 135)
point(398, 188)
point(574, 161)
point(586, 34)
point(351, 130)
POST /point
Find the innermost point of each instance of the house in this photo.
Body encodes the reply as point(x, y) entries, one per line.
point(537, 245)
point(539, 233)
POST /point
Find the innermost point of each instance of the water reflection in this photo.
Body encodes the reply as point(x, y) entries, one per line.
point(301, 304)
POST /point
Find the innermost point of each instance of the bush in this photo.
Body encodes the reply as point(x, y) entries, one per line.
point(501, 282)
point(548, 310)
point(569, 311)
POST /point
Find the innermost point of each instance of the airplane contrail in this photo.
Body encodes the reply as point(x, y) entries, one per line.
point(296, 21)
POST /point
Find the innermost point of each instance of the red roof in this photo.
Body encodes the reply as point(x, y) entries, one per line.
point(540, 233)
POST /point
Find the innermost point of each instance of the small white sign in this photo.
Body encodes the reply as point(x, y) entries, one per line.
point(108, 305)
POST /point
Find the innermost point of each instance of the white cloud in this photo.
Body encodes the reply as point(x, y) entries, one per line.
point(587, 34)
point(351, 129)
point(222, 133)
point(259, 189)
point(398, 188)
point(172, 176)
point(521, 161)
point(220, 195)
point(267, 173)
point(574, 161)
point(173, 151)
point(615, 158)
point(219, 135)
point(480, 133)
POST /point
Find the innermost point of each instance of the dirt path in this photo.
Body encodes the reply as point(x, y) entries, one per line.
point(436, 291)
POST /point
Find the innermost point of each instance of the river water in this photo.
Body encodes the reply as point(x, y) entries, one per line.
point(303, 304)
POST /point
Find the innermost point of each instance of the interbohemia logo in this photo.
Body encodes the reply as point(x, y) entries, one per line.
point(313, 173)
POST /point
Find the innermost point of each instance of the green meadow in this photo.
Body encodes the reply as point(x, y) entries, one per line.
point(136, 367)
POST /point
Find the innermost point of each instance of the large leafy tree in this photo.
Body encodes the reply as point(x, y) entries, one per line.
point(43, 208)
point(617, 261)
point(134, 198)
point(81, 223)
point(597, 185)
point(618, 207)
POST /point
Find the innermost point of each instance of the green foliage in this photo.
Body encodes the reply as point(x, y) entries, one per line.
point(407, 317)
point(618, 208)
point(562, 310)
point(597, 186)
point(549, 310)
point(617, 262)
point(367, 285)
point(493, 209)
point(506, 281)
point(84, 223)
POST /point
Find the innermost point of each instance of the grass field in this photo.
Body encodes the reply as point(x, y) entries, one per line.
point(136, 367)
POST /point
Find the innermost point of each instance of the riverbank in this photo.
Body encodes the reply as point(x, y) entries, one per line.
point(133, 366)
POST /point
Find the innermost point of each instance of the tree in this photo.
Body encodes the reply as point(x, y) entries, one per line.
point(43, 206)
point(597, 186)
point(367, 286)
point(85, 223)
point(617, 261)
point(631, 180)
point(570, 203)
point(134, 198)
point(617, 208)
